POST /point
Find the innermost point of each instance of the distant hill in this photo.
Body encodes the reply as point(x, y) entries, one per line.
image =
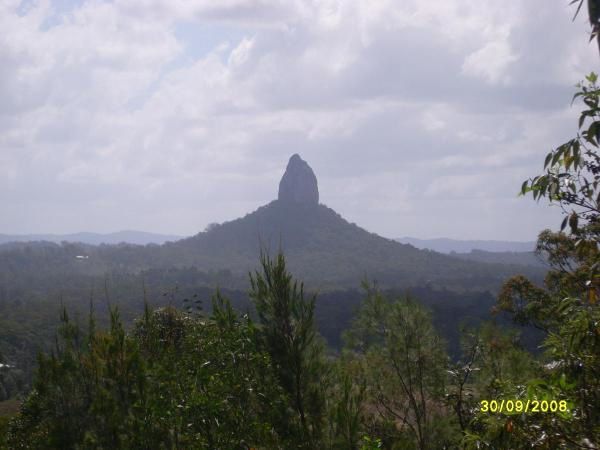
point(518, 258)
point(499, 252)
point(127, 236)
point(321, 248)
point(445, 245)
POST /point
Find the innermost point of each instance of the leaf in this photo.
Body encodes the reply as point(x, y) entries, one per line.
point(563, 225)
point(557, 156)
point(548, 159)
point(576, 153)
point(591, 102)
point(578, 7)
point(568, 161)
point(592, 132)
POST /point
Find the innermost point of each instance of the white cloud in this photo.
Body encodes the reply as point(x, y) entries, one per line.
point(107, 115)
point(491, 62)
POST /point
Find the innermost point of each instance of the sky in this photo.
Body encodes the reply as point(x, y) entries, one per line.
point(419, 118)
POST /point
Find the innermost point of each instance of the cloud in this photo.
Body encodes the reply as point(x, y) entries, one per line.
point(167, 115)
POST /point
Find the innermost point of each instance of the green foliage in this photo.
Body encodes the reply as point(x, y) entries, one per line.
point(347, 406)
point(572, 273)
point(492, 367)
point(179, 381)
point(403, 362)
point(572, 170)
point(528, 303)
point(370, 444)
point(569, 374)
point(574, 349)
point(190, 380)
point(215, 389)
point(289, 335)
point(567, 309)
point(86, 394)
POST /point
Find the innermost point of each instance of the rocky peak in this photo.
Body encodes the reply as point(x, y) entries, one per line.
point(299, 183)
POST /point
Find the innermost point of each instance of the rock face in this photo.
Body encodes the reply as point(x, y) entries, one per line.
point(299, 183)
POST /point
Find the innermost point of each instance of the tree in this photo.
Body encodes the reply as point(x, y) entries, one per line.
point(572, 170)
point(179, 381)
point(85, 392)
point(567, 309)
point(404, 362)
point(289, 336)
point(347, 404)
point(571, 179)
point(212, 387)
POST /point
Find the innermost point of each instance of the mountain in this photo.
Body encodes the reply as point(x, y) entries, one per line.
point(321, 248)
point(126, 236)
point(445, 245)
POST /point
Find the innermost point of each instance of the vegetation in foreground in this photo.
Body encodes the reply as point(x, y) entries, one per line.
point(183, 379)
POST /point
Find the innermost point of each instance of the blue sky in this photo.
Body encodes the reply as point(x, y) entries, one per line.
point(419, 118)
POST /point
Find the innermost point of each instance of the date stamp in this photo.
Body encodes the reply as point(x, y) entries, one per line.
point(523, 406)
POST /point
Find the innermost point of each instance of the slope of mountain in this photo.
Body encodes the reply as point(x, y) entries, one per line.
point(320, 246)
point(126, 236)
point(519, 258)
point(445, 245)
point(323, 247)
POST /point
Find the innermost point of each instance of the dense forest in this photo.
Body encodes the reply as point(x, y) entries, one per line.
point(184, 378)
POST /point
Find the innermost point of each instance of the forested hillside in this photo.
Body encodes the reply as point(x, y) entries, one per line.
point(323, 248)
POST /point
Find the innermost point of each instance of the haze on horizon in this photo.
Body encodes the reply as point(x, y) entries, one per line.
point(419, 118)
